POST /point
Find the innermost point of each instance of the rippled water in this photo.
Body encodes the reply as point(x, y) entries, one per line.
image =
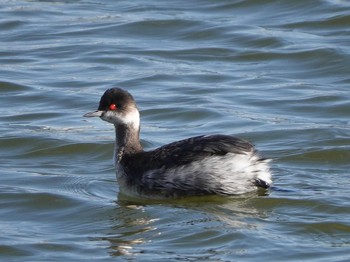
point(274, 72)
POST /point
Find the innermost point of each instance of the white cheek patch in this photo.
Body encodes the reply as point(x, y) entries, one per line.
point(109, 116)
point(130, 119)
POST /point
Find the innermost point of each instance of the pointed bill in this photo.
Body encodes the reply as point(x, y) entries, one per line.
point(93, 114)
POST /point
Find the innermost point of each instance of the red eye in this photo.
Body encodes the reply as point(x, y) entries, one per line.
point(112, 107)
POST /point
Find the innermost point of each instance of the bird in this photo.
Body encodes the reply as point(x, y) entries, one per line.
point(202, 165)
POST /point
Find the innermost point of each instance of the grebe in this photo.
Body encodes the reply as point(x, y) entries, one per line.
point(201, 165)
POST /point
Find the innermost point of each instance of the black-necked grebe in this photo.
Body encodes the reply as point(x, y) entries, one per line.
point(202, 165)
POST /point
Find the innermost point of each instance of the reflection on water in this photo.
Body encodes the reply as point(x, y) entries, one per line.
point(134, 227)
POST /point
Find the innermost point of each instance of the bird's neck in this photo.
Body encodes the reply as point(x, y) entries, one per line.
point(127, 140)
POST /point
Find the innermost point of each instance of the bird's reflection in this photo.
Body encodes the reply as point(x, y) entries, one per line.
point(130, 226)
point(136, 223)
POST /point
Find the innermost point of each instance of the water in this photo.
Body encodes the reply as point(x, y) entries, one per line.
point(274, 72)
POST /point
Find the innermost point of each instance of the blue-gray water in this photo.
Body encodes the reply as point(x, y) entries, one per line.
point(274, 72)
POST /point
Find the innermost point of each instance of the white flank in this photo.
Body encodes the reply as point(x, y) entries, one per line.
point(231, 174)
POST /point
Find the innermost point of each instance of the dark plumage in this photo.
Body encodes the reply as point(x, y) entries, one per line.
point(216, 164)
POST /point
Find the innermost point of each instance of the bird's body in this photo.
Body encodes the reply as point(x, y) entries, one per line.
point(202, 165)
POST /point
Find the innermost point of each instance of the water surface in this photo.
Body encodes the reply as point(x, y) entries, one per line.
point(274, 72)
